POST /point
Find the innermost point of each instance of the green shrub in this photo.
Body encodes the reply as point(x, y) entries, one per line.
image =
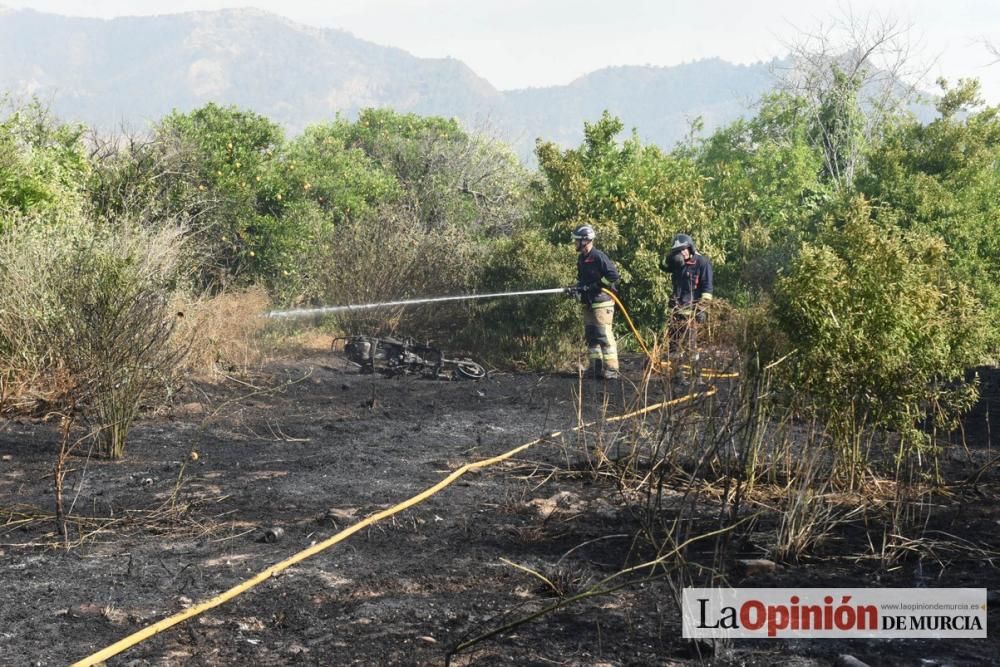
point(538, 331)
point(883, 333)
point(221, 171)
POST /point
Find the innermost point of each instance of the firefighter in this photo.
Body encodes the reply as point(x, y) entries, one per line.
point(691, 275)
point(594, 273)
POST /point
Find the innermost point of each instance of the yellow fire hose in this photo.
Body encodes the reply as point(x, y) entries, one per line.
point(170, 621)
point(656, 364)
point(631, 324)
point(262, 576)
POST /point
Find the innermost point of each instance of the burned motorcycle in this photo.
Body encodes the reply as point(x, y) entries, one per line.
point(395, 356)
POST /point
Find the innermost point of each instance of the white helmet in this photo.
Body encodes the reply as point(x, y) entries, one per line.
point(584, 233)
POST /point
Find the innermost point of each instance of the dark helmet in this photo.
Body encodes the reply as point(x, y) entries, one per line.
point(682, 241)
point(584, 233)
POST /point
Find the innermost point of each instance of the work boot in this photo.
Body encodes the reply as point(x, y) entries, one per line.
point(596, 369)
point(611, 374)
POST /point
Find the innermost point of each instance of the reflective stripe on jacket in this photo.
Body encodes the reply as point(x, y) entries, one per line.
point(693, 282)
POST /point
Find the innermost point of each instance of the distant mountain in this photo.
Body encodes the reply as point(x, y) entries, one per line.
point(132, 71)
point(661, 102)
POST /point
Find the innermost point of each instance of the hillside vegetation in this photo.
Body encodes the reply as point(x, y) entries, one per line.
point(857, 263)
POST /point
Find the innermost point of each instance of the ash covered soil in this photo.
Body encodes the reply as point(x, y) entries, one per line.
point(310, 447)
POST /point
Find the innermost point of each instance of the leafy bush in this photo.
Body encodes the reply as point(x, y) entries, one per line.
point(540, 332)
point(323, 167)
point(456, 179)
point(882, 333)
point(762, 181)
point(942, 177)
point(225, 180)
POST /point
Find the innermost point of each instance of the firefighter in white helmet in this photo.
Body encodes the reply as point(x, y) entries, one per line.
point(595, 273)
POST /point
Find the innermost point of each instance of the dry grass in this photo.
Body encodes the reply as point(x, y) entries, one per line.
point(223, 333)
point(228, 334)
point(303, 342)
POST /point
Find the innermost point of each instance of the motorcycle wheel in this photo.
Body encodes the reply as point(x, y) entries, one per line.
point(469, 370)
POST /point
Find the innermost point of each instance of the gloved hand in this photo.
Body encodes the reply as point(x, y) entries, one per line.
point(573, 291)
point(593, 289)
point(672, 263)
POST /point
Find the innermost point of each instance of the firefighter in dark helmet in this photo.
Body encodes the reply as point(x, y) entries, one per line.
point(594, 273)
point(691, 276)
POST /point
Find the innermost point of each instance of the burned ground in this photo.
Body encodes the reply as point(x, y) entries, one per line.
point(311, 447)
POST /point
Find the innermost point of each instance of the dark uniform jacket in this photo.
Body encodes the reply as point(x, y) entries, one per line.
point(691, 281)
point(593, 271)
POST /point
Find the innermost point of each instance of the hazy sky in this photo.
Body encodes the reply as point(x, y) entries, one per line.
point(521, 43)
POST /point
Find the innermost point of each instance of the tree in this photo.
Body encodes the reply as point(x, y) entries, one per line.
point(341, 179)
point(853, 75)
point(447, 175)
point(942, 178)
point(227, 181)
point(763, 185)
point(43, 164)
